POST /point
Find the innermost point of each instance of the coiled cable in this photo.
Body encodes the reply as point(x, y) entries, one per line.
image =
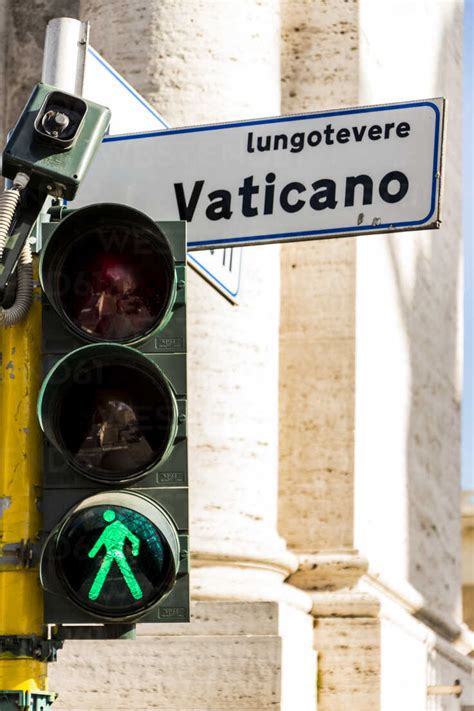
point(9, 200)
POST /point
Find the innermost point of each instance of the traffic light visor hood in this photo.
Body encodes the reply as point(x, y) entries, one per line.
point(109, 272)
point(110, 411)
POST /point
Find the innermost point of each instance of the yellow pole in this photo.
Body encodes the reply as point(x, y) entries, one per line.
point(21, 602)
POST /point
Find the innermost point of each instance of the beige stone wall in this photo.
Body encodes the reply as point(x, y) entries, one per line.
point(348, 663)
point(317, 322)
point(409, 320)
point(370, 368)
point(235, 656)
point(370, 328)
point(468, 605)
point(413, 659)
point(182, 56)
point(467, 557)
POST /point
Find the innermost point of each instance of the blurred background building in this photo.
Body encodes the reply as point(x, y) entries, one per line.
point(467, 520)
point(325, 408)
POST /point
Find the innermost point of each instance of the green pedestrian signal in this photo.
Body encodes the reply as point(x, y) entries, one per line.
point(116, 554)
point(113, 539)
point(112, 407)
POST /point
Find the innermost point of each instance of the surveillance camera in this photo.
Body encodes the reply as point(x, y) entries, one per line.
point(60, 119)
point(54, 141)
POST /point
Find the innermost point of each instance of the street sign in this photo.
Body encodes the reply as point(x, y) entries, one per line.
point(131, 112)
point(221, 267)
point(312, 176)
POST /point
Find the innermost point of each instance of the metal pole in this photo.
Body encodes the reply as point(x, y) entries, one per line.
point(65, 54)
point(21, 599)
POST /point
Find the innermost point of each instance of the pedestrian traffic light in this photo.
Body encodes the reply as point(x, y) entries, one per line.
point(112, 408)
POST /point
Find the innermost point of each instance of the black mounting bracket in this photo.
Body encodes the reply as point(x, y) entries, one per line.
point(24, 554)
point(111, 631)
point(31, 646)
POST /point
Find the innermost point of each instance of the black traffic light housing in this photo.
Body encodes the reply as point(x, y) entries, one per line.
point(114, 345)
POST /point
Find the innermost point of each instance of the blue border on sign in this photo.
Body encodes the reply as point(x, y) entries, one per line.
point(126, 86)
point(286, 119)
point(213, 276)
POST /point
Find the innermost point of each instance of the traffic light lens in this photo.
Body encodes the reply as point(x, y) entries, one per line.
point(114, 560)
point(117, 423)
point(108, 270)
point(114, 293)
point(110, 427)
point(110, 411)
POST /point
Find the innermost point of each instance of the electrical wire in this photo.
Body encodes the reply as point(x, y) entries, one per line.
point(9, 200)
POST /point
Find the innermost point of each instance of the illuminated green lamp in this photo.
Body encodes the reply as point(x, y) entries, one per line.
point(116, 554)
point(110, 411)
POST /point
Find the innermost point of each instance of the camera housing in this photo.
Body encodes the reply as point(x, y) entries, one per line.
point(55, 140)
point(60, 119)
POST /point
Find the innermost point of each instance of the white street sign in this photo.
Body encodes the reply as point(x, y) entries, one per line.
point(221, 267)
point(330, 174)
point(131, 112)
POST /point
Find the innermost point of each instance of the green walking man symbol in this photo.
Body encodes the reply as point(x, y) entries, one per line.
point(113, 538)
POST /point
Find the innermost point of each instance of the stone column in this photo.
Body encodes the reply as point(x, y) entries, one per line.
point(369, 433)
point(409, 362)
point(196, 62)
point(320, 54)
point(318, 329)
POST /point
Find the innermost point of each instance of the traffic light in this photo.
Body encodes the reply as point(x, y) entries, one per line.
point(112, 408)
